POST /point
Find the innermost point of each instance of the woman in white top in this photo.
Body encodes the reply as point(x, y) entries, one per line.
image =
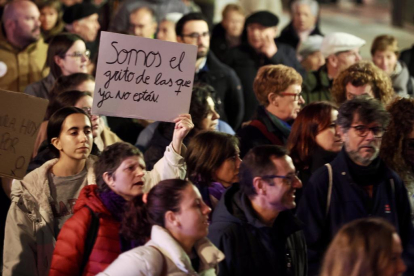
point(175, 217)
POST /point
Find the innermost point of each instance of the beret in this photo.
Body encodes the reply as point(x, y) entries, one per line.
point(339, 42)
point(79, 11)
point(264, 18)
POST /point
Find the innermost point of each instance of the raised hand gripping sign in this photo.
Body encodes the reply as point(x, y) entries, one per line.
point(143, 78)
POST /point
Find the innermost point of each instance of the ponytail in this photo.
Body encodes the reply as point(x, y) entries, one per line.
point(135, 224)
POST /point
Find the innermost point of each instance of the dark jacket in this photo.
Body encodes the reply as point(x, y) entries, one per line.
point(252, 248)
point(290, 36)
point(317, 86)
point(349, 202)
point(218, 42)
point(246, 62)
point(408, 57)
point(250, 136)
point(228, 89)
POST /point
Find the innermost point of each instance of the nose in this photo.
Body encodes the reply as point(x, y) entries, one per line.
point(238, 162)
point(358, 57)
point(297, 184)
point(83, 137)
point(301, 100)
point(215, 115)
point(139, 171)
point(206, 209)
point(370, 136)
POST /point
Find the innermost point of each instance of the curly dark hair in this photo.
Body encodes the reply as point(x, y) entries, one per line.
point(401, 125)
point(369, 110)
point(359, 74)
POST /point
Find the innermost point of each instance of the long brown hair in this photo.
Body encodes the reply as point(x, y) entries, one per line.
point(311, 120)
point(361, 248)
point(139, 217)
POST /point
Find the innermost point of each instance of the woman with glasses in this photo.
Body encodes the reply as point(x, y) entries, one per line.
point(278, 91)
point(67, 54)
point(397, 148)
point(314, 140)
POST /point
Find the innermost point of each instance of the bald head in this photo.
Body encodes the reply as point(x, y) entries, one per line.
point(21, 23)
point(143, 22)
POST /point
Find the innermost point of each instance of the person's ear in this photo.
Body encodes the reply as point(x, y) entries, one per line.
point(273, 99)
point(259, 185)
point(10, 24)
point(58, 60)
point(56, 142)
point(109, 180)
point(180, 39)
point(333, 60)
point(171, 219)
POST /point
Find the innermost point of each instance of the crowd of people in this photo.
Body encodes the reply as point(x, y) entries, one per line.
point(296, 157)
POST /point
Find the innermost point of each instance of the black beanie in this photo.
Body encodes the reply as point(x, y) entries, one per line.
point(79, 11)
point(264, 18)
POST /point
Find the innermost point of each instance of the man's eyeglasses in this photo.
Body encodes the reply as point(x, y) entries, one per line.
point(196, 36)
point(362, 131)
point(289, 179)
point(87, 54)
point(296, 96)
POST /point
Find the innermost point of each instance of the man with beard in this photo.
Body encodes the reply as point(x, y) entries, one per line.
point(356, 184)
point(22, 50)
point(252, 223)
point(193, 29)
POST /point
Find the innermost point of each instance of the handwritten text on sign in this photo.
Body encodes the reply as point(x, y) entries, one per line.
point(143, 78)
point(20, 119)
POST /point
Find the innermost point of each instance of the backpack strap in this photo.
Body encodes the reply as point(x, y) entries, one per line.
point(164, 261)
point(328, 199)
point(270, 136)
point(90, 238)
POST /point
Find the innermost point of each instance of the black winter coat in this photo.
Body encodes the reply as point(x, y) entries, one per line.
point(349, 202)
point(252, 248)
point(228, 89)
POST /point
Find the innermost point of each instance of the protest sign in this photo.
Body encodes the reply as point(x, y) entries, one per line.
point(20, 119)
point(143, 78)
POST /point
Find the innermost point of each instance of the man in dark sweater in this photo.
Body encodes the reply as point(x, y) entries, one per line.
point(252, 223)
point(193, 29)
point(356, 184)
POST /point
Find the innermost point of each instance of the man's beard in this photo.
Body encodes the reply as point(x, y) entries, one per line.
point(202, 54)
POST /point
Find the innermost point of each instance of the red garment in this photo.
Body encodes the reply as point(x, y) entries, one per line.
point(68, 254)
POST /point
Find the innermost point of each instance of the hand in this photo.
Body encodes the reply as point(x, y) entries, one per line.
point(269, 47)
point(183, 125)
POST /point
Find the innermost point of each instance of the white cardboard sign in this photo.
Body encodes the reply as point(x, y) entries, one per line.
point(143, 78)
point(20, 119)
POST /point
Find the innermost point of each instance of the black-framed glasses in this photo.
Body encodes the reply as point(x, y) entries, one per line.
point(362, 131)
point(196, 36)
point(296, 96)
point(87, 54)
point(289, 179)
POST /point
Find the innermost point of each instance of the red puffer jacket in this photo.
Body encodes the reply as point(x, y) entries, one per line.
point(68, 254)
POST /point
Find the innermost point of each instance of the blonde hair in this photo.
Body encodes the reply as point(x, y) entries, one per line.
point(274, 79)
point(384, 43)
point(232, 7)
point(361, 248)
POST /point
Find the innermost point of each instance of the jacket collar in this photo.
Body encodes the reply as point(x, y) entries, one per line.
point(209, 255)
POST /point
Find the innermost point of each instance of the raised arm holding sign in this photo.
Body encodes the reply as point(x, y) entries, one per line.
point(143, 78)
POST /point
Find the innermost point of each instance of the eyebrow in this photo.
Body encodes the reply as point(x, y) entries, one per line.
point(77, 128)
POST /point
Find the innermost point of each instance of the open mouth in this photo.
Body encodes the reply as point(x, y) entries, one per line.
point(139, 183)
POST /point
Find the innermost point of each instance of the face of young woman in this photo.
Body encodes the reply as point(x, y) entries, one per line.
point(396, 265)
point(75, 138)
point(85, 103)
point(211, 121)
point(228, 172)
point(193, 215)
point(127, 180)
point(48, 18)
point(75, 59)
point(329, 139)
